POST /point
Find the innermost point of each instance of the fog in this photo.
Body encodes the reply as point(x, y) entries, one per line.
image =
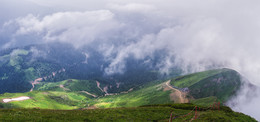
point(195, 34)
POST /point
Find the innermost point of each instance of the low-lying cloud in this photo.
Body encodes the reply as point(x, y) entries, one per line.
point(196, 35)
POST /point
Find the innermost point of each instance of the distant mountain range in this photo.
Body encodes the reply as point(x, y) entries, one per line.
point(57, 62)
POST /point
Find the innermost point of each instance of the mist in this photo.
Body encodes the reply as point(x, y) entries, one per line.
point(195, 35)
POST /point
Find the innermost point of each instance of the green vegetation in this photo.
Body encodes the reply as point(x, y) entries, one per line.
point(152, 93)
point(48, 100)
point(222, 83)
point(19, 66)
point(83, 85)
point(205, 101)
point(30, 74)
point(74, 93)
point(204, 89)
point(49, 86)
point(70, 85)
point(15, 58)
point(149, 113)
point(71, 97)
point(191, 79)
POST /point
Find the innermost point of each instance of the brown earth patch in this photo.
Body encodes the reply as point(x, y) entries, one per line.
point(177, 96)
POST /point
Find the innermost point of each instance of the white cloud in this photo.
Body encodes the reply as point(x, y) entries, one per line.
point(78, 28)
point(198, 34)
point(133, 7)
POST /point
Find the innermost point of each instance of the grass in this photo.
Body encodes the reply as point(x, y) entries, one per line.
point(71, 97)
point(83, 85)
point(73, 85)
point(222, 85)
point(205, 101)
point(48, 100)
point(191, 79)
point(60, 99)
point(150, 94)
point(49, 95)
point(52, 86)
point(159, 113)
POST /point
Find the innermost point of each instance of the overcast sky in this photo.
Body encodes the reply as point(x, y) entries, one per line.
point(195, 33)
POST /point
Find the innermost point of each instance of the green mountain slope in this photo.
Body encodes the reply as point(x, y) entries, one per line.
point(202, 89)
point(152, 93)
point(214, 86)
point(71, 85)
point(222, 83)
point(55, 62)
point(191, 79)
point(47, 100)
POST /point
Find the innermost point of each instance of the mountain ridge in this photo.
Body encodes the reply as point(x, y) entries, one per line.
point(155, 92)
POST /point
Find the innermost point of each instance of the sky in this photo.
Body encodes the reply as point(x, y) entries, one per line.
point(196, 34)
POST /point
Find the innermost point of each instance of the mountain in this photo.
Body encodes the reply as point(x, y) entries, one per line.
point(55, 62)
point(202, 88)
point(222, 83)
point(151, 101)
point(58, 76)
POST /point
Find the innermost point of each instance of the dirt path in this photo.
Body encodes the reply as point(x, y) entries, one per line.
point(98, 85)
point(177, 93)
point(125, 92)
point(65, 89)
point(36, 81)
point(105, 90)
point(89, 93)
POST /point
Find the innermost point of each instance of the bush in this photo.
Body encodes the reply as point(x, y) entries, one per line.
point(226, 109)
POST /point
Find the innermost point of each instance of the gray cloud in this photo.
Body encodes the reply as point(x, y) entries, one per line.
point(196, 35)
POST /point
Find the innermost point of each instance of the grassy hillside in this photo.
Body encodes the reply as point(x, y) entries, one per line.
point(207, 101)
point(215, 85)
point(152, 93)
point(221, 83)
point(204, 88)
point(48, 100)
point(73, 85)
point(150, 113)
point(191, 79)
point(70, 96)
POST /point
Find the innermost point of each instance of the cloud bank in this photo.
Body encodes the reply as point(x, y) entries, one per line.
point(196, 35)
